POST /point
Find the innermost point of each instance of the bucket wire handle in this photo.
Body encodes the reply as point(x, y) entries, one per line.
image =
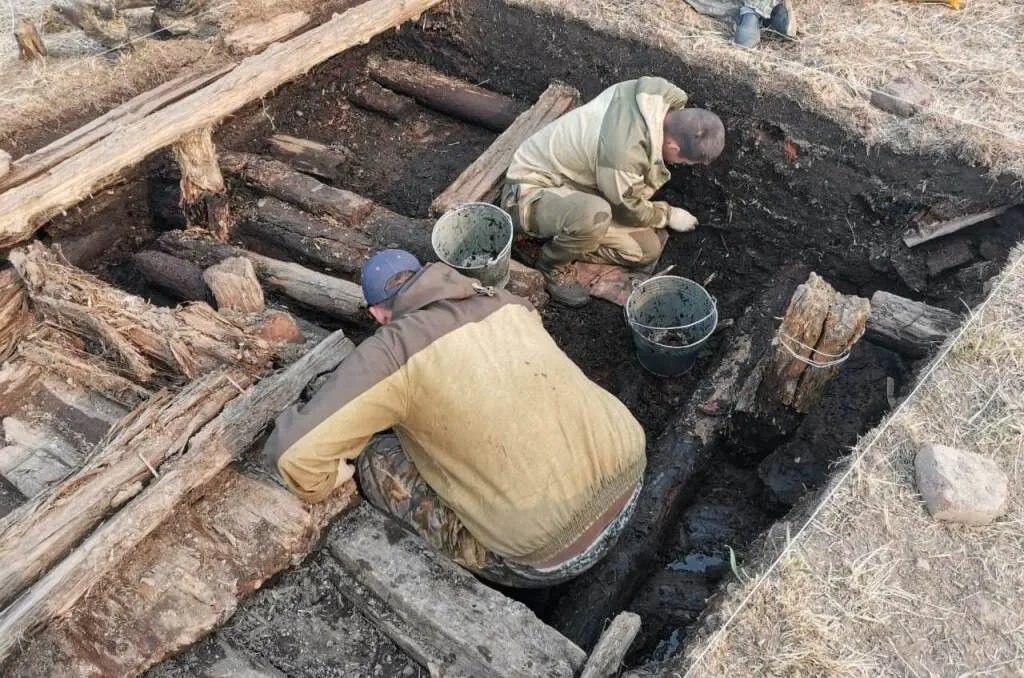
point(714, 310)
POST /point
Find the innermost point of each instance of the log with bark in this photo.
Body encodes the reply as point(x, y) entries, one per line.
point(310, 157)
point(177, 277)
point(373, 97)
point(481, 181)
point(26, 207)
point(251, 38)
point(446, 94)
point(39, 533)
point(30, 45)
point(148, 341)
point(232, 432)
point(909, 327)
point(203, 197)
point(235, 286)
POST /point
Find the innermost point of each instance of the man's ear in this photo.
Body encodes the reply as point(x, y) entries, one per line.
point(381, 314)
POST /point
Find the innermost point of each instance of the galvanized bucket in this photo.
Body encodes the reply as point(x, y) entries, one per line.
point(671, 318)
point(475, 239)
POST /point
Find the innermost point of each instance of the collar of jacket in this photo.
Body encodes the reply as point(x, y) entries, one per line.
point(436, 282)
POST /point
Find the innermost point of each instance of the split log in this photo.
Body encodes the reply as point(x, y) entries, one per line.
point(446, 94)
point(26, 207)
point(606, 659)
point(279, 180)
point(332, 296)
point(926, 227)
point(14, 316)
point(310, 157)
point(234, 285)
point(912, 328)
point(232, 432)
point(203, 197)
point(178, 277)
point(36, 535)
point(188, 340)
point(128, 113)
point(251, 38)
point(371, 96)
point(30, 45)
point(481, 181)
point(437, 612)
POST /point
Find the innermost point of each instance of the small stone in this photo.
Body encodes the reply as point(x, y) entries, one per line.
point(280, 328)
point(960, 487)
point(903, 96)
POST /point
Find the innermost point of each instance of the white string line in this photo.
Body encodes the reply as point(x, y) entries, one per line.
point(855, 462)
point(838, 358)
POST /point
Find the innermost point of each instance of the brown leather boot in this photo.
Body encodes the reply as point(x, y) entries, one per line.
point(562, 283)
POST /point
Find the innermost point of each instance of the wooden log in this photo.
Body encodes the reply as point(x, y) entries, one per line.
point(444, 93)
point(38, 534)
point(130, 112)
point(203, 197)
point(26, 207)
point(481, 181)
point(371, 96)
point(30, 45)
point(947, 256)
point(606, 659)
point(927, 228)
point(14, 316)
point(149, 341)
point(178, 277)
point(87, 249)
point(310, 157)
point(912, 328)
point(437, 612)
point(280, 181)
point(253, 37)
point(233, 431)
point(234, 285)
point(332, 296)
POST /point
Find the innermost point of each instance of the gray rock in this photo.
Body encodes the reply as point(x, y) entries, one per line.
point(959, 486)
point(903, 96)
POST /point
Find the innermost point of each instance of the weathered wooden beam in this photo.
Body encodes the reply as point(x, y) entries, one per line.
point(30, 45)
point(253, 37)
point(203, 197)
point(909, 327)
point(606, 659)
point(446, 94)
point(26, 207)
point(38, 534)
point(232, 432)
point(14, 316)
point(481, 181)
point(930, 230)
point(310, 157)
point(234, 285)
point(438, 612)
point(176, 276)
point(373, 97)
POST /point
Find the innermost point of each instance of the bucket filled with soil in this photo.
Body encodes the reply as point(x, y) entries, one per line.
point(671, 317)
point(475, 238)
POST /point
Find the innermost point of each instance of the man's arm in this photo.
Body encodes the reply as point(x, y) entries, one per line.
point(629, 195)
point(365, 395)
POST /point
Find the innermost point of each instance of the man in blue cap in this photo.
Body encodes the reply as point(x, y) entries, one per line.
point(504, 456)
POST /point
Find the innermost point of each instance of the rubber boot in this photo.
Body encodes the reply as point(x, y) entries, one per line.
point(748, 28)
point(562, 283)
point(782, 20)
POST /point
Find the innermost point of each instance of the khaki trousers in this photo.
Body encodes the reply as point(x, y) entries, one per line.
point(578, 226)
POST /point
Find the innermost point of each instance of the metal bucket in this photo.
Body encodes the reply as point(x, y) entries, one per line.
point(475, 239)
point(671, 318)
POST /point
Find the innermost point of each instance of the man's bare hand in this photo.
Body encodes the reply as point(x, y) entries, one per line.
point(681, 221)
point(345, 473)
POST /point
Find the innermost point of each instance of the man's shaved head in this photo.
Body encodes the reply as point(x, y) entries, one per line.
point(693, 136)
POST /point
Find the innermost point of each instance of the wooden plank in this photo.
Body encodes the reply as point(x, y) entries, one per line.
point(909, 327)
point(25, 208)
point(253, 37)
point(481, 181)
point(208, 453)
point(925, 232)
point(606, 659)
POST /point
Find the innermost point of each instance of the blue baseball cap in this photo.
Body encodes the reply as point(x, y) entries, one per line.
point(382, 267)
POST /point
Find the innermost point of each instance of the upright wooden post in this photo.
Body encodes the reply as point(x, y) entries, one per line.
point(203, 197)
point(29, 43)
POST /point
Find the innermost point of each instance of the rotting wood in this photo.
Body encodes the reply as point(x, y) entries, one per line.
point(26, 207)
point(86, 250)
point(133, 110)
point(332, 296)
point(40, 532)
point(912, 328)
point(930, 230)
point(173, 275)
point(251, 38)
point(481, 181)
point(203, 197)
point(438, 612)
point(30, 44)
point(948, 255)
point(528, 283)
point(14, 316)
point(149, 341)
point(232, 432)
point(446, 94)
point(242, 530)
point(606, 659)
point(281, 181)
point(310, 157)
point(374, 97)
point(234, 286)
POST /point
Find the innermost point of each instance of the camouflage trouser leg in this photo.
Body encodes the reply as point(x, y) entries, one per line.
point(390, 481)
